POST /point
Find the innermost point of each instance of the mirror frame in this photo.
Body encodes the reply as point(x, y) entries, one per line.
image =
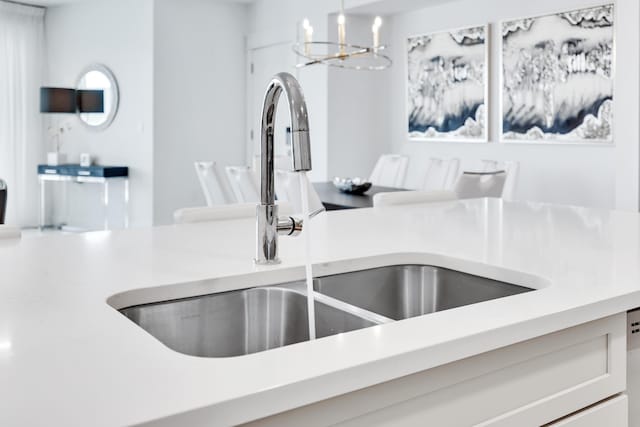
point(116, 95)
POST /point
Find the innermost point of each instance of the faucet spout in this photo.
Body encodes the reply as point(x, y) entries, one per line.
point(267, 211)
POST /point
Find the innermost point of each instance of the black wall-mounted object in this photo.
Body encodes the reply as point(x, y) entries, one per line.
point(90, 100)
point(62, 100)
point(3, 201)
point(57, 100)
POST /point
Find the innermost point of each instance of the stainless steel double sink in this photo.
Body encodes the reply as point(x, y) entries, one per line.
point(252, 320)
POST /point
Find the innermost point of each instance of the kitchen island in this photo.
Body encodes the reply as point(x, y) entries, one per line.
point(69, 357)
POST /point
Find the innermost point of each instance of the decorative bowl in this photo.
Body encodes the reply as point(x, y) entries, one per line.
point(351, 185)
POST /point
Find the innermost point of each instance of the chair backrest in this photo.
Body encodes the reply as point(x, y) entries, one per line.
point(510, 185)
point(390, 171)
point(411, 197)
point(214, 213)
point(480, 184)
point(489, 165)
point(279, 162)
point(3, 201)
point(221, 212)
point(441, 174)
point(243, 183)
point(512, 169)
point(435, 175)
point(288, 189)
point(451, 177)
point(213, 181)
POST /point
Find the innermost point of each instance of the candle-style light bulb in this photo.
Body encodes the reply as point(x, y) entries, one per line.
point(342, 33)
point(375, 29)
point(308, 35)
point(308, 40)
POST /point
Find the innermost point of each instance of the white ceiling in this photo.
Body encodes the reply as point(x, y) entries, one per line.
point(390, 7)
point(59, 2)
point(48, 2)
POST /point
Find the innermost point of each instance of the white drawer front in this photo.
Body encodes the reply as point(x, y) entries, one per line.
point(527, 384)
point(610, 413)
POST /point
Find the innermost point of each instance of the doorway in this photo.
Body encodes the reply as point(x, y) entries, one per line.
point(263, 63)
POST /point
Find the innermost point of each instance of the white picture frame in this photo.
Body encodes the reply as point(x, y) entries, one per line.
point(451, 135)
point(555, 137)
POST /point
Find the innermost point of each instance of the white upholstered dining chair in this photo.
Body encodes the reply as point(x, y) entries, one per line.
point(441, 174)
point(512, 170)
point(390, 171)
point(222, 212)
point(412, 197)
point(214, 183)
point(472, 185)
point(243, 182)
point(9, 232)
point(288, 189)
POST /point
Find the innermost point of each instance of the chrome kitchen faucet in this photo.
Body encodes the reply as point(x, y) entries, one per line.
point(267, 222)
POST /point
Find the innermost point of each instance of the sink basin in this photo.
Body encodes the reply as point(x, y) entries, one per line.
point(251, 320)
point(239, 322)
point(400, 292)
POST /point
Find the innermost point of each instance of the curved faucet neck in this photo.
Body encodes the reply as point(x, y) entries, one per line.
point(268, 223)
point(300, 143)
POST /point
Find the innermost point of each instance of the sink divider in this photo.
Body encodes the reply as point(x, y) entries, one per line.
point(340, 305)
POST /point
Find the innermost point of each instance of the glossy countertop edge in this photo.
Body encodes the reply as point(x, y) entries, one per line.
point(560, 312)
point(283, 274)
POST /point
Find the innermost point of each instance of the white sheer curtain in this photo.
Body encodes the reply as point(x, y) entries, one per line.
point(21, 131)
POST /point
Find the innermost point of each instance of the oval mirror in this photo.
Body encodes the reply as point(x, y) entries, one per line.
point(97, 97)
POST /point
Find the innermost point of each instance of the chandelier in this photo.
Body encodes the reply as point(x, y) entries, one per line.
point(341, 53)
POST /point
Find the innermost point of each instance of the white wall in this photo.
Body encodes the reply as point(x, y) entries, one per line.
point(199, 89)
point(598, 176)
point(180, 65)
point(117, 33)
point(364, 118)
point(279, 20)
point(358, 110)
point(182, 71)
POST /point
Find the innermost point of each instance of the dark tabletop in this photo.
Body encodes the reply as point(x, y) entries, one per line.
point(333, 199)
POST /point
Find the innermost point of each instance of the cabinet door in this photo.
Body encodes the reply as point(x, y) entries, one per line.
point(611, 413)
point(528, 384)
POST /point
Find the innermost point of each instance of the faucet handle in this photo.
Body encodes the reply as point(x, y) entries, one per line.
point(289, 226)
point(292, 226)
point(317, 212)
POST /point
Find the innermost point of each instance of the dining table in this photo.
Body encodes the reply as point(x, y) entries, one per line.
point(334, 199)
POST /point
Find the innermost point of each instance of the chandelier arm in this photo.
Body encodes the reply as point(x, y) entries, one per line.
point(342, 58)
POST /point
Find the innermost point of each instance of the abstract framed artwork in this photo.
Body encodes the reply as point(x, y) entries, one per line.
point(557, 77)
point(447, 85)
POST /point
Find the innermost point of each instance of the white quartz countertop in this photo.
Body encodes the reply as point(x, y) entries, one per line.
point(69, 358)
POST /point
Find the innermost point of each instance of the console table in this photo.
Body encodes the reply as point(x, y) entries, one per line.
point(103, 175)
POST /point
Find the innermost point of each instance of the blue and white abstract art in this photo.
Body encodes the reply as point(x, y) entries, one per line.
point(557, 81)
point(447, 87)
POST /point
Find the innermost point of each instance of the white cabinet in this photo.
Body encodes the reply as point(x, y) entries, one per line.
point(612, 412)
point(531, 383)
point(633, 386)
